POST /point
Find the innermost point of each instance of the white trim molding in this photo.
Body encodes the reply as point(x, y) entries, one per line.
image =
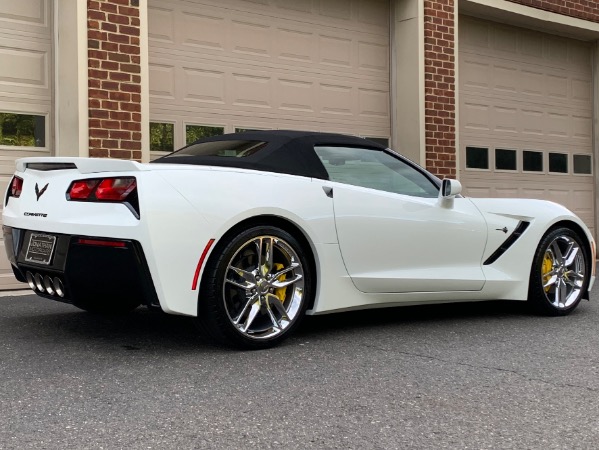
point(532, 18)
point(71, 97)
point(145, 80)
point(407, 79)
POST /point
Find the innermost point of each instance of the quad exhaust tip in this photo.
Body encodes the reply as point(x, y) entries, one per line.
point(45, 284)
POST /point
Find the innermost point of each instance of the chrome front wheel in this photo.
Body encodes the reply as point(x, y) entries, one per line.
point(560, 273)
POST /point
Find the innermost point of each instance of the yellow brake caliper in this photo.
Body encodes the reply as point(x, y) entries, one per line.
point(546, 269)
point(280, 292)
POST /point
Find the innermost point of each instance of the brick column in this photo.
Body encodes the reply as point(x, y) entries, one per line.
point(439, 75)
point(114, 79)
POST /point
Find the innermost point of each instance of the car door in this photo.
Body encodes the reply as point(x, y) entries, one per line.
point(394, 233)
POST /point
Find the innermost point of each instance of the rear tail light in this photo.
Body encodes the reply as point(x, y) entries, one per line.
point(102, 189)
point(14, 190)
point(82, 189)
point(113, 189)
point(16, 187)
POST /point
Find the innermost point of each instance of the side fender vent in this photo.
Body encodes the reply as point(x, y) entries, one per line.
point(522, 226)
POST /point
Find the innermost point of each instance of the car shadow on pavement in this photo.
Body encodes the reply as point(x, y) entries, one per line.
point(140, 329)
point(415, 315)
point(156, 331)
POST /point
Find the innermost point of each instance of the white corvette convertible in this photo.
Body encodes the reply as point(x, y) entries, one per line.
point(249, 232)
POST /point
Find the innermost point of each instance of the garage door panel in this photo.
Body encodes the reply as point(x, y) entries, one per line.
point(161, 24)
point(251, 90)
point(162, 81)
point(537, 48)
point(373, 57)
point(547, 121)
point(204, 31)
point(276, 93)
point(295, 95)
point(523, 82)
point(254, 38)
point(374, 12)
point(28, 17)
point(294, 5)
point(295, 45)
point(582, 90)
point(251, 38)
point(373, 103)
point(338, 9)
point(582, 128)
point(202, 85)
point(25, 67)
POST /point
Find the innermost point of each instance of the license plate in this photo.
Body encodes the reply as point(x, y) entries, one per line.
point(40, 248)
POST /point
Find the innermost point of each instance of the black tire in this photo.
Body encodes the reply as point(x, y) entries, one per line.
point(231, 299)
point(559, 278)
point(107, 307)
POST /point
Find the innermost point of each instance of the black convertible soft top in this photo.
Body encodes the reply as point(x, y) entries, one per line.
point(289, 152)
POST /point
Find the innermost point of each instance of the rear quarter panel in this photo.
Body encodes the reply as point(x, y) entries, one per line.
point(220, 199)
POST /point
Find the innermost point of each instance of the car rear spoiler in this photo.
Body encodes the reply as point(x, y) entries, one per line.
point(83, 165)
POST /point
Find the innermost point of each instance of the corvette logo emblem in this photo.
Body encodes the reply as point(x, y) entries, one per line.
point(39, 192)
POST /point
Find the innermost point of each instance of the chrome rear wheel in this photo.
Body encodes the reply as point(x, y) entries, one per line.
point(256, 287)
point(264, 287)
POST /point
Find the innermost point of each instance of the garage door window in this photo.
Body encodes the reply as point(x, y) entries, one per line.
point(532, 161)
point(558, 162)
point(477, 158)
point(505, 159)
point(22, 130)
point(195, 132)
point(583, 165)
point(161, 137)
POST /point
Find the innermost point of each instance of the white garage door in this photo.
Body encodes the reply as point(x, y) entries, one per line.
point(221, 65)
point(526, 115)
point(25, 92)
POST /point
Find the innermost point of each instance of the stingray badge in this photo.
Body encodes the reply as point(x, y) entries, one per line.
point(39, 192)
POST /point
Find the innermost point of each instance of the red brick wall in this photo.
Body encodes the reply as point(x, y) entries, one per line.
point(582, 9)
point(114, 79)
point(439, 73)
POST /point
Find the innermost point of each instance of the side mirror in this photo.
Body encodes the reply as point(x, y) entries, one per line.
point(450, 188)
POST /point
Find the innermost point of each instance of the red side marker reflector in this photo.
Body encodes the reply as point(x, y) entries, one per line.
point(194, 284)
point(101, 243)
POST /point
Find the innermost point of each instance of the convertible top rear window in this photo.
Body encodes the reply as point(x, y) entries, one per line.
point(230, 148)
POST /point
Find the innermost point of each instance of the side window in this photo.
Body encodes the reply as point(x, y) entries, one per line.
point(374, 169)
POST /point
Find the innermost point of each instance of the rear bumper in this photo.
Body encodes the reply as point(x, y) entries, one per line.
point(88, 270)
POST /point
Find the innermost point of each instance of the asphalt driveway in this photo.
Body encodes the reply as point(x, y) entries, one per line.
point(449, 376)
